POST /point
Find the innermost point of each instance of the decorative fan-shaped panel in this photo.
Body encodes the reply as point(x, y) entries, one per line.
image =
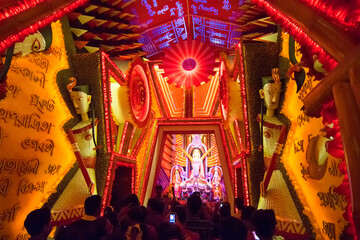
point(139, 88)
point(189, 63)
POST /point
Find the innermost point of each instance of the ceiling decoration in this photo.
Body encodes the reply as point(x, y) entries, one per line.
point(164, 22)
point(215, 32)
point(253, 23)
point(189, 63)
point(127, 28)
point(102, 25)
point(158, 38)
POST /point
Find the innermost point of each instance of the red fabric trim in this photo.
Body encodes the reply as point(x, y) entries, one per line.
point(18, 7)
point(344, 13)
point(20, 36)
point(300, 36)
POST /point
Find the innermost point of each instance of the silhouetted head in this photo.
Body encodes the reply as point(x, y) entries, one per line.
point(247, 212)
point(180, 211)
point(239, 203)
point(158, 191)
point(264, 222)
point(156, 205)
point(225, 209)
point(168, 231)
point(92, 205)
point(37, 222)
point(110, 215)
point(137, 214)
point(194, 204)
point(132, 200)
point(233, 228)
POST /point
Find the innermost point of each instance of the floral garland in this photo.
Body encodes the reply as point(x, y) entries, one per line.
point(20, 36)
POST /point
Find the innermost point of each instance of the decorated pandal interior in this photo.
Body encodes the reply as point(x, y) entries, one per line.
point(258, 99)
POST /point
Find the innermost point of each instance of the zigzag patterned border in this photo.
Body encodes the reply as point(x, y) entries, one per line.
point(290, 227)
point(63, 217)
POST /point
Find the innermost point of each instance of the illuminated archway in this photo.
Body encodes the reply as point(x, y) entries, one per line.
point(199, 126)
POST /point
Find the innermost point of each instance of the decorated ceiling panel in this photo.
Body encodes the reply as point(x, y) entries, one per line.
point(151, 13)
point(161, 23)
point(102, 25)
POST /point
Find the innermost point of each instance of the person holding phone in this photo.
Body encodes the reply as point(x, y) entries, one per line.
point(179, 216)
point(172, 218)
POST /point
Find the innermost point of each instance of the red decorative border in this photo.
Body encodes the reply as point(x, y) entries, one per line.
point(241, 72)
point(241, 159)
point(20, 36)
point(223, 90)
point(239, 135)
point(233, 148)
point(300, 36)
point(106, 69)
point(156, 86)
point(138, 143)
point(149, 163)
point(17, 8)
point(336, 11)
point(107, 100)
point(123, 137)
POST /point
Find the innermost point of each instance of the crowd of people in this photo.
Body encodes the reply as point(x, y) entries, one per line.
point(162, 219)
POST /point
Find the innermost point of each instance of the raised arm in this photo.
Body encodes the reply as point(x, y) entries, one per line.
point(205, 154)
point(187, 154)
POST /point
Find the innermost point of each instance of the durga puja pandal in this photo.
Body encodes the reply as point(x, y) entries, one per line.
point(255, 99)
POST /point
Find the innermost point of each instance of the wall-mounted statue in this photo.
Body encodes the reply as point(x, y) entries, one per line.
point(84, 131)
point(270, 125)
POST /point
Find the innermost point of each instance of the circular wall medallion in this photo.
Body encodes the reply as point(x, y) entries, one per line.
point(139, 94)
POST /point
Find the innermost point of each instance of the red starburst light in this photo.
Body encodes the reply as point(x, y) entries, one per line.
point(188, 63)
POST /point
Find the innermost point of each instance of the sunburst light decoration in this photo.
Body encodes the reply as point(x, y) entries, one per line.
point(188, 63)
